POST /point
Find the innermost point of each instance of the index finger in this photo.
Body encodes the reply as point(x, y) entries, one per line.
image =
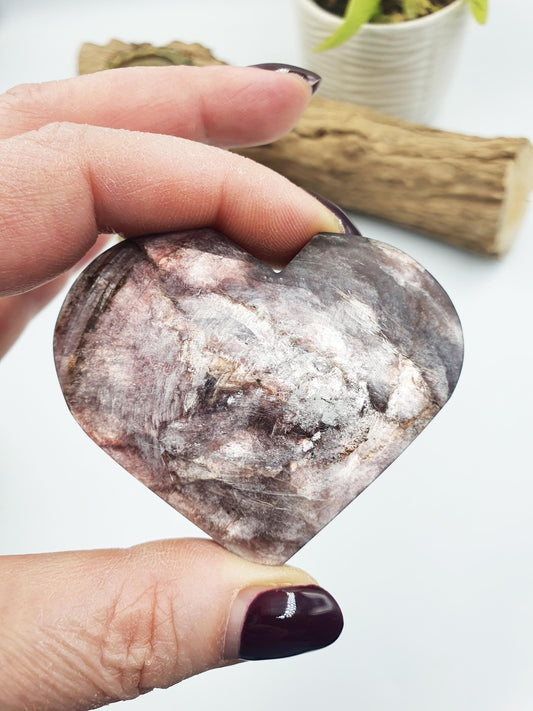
point(221, 105)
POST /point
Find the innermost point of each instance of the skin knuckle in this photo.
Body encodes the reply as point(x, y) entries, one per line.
point(138, 641)
point(63, 143)
point(21, 99)
point(58, 134)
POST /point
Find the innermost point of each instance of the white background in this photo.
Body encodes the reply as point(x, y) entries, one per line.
point(433, 564)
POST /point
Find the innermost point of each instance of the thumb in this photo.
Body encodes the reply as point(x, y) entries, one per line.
point(83, 629)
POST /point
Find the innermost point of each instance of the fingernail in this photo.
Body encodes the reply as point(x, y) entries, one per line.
point(310, 77)
point(270, 624)
point(347, 225)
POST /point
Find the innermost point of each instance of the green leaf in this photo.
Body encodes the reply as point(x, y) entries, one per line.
point(357, 13)
point(479, 10)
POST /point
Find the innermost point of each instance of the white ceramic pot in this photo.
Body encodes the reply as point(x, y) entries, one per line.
point(400, 69)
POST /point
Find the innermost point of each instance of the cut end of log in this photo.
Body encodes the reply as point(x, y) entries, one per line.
point(115, 54)
point(519, 184)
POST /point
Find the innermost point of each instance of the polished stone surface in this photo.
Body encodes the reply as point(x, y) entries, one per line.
point(258, 404)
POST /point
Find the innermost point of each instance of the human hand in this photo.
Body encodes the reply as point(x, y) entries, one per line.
point(125, 151)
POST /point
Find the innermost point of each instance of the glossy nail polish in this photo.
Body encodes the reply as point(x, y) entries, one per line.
point(289, 621)
point(310, 77)
point(347, 225)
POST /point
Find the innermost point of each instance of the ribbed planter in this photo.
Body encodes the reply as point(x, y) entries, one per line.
point(400, 69)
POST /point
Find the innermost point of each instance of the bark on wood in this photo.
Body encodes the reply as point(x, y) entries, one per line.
point(469, 191)
point(466, 190)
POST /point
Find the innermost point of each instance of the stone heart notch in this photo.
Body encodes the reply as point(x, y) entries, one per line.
point(256, 403)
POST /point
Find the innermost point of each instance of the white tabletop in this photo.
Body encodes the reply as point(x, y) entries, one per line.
point(433, 564)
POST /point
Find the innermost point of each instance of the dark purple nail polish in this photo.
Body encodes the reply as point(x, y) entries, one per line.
point(310, 77)
point(281, 623)
point(349, 227)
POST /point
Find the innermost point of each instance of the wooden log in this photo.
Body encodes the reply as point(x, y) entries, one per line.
point(469, 191)
point(115, 54)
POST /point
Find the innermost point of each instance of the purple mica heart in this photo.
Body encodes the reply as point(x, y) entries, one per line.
point(256, 403)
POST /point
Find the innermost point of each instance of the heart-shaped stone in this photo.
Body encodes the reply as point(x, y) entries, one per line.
point(257, 403)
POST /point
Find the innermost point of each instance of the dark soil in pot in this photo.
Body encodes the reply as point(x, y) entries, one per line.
point(391, 10)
